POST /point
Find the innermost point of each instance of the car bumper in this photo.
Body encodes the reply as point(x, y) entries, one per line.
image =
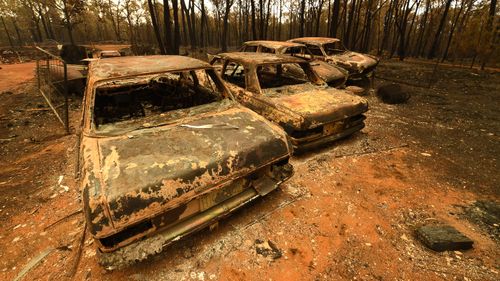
point(312, 142)
point(154, 241)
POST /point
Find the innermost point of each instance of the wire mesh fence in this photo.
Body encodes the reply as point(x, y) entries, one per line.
point(52, 84)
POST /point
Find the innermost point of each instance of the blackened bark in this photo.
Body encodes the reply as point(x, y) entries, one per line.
point(302, 18)
point(167, 27)
point(177, 35)
point(156, 29)
point(254, 27)
point(437, 37)
point(229, 3)
point(7, 32)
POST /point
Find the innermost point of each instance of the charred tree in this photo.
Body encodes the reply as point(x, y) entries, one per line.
point(437, 37)
point(177, 32)
point(254, 27)
point(225, 24)
point(7, 32)
point(302, 18)
point(167, 28)
point(156, 29)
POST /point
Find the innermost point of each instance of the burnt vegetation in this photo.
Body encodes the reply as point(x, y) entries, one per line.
point(460, 31)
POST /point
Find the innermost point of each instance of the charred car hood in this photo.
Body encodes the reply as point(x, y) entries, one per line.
point(319, 105)
point(329, 73)
point(151, 170)
point(354, 61)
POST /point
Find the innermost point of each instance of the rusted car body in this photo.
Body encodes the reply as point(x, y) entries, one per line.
point(166, 151)
point(299, 101)
point(334, 52)
point(334, 75)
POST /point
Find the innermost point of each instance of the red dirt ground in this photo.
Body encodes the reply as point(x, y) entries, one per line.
point(15, 74)
point(349, 212)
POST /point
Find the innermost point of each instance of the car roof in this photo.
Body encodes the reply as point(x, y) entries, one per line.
point(108, 52)
point(260, 58)
point(142, 65)
point(315, 40)
point(272, 44)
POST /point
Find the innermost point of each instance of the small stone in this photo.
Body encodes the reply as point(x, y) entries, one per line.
point(404, 237)
point(443, 238)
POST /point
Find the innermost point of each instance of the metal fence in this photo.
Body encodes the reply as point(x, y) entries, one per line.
point(52, 84)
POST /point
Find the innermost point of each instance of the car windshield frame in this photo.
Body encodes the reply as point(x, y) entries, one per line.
point(90, 128)
point(335, 51)
point(252, 82)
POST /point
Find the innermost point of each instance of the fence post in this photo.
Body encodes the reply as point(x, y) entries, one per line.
point(66, 105)
point(38, 83)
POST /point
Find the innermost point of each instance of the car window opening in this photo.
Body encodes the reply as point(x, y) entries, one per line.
point(250, 49)
point(235, 73)
point(278, 75)
point(164, 93)
point(315, 50)
point(334, 48)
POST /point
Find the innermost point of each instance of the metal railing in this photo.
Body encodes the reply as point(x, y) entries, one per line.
point(52, 84)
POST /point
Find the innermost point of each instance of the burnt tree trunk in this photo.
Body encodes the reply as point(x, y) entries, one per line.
point(7, 32)
point(177, 35)
point(302, 18)
point(350, 19)
point(203, 23)
point(493, 33)
point(254, 28)
point(452, 30)
point(225, 25)
point(156, 29)
point(437, 37)
point(168, 27)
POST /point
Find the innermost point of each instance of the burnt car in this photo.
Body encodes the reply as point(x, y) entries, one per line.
point(165, 151)
point(334, 52)
point(333, 75)
point(299, 101)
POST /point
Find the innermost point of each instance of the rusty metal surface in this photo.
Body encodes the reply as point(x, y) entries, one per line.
point(152, 245)
point(260, 58)
point(279, 46)
point(332, 74)
point(297, 108)
point(184, 162)
point(141, 65)
point(150, 174)
point(318, 41)
point(357, 64)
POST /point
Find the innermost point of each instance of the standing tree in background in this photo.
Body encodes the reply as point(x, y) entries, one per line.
point(437, 37)
point(177, 32)
point(70, 10)
point(154, 22)
point(167, 28)
point(228, 4)
point(334, 19)
point(302, 17)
